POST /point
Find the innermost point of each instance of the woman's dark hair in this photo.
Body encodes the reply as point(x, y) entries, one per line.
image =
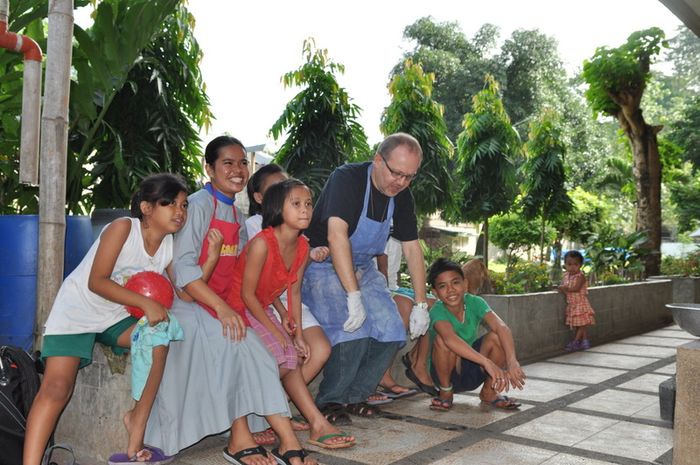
point(440, 266)
point(574, 254)
point(255, 183)
point(273, 201)
point(162, 188)
point(211, 152)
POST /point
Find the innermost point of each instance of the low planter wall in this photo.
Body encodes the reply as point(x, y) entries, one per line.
point(92, 422)
point(537, 319)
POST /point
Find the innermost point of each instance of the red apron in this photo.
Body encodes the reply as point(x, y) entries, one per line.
point(221, 279)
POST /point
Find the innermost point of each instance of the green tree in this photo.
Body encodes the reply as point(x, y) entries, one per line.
point(459, 64)
point(616, 81)
point(413, 111)
point(104, 146)
point(320, 121)
point(534, 77)
point(485, 175)
point(159, 136)
point(545, 191)
point(512, 232)
point(685, 194)
point(685, 132)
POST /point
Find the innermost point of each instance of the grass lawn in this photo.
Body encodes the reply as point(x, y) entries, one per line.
point(497, 267)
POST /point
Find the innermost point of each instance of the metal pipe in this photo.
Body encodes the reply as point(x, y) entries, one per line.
point(31, 96)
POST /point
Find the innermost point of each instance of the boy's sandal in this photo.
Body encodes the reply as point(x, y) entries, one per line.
point(299, 423)
point(265, 438)
point(363, 409)
point(323, 443)
point(428, 389)
point(289, 455)
point(505, 403)
point(236, 458)
point(336, 414)
point(441, 405)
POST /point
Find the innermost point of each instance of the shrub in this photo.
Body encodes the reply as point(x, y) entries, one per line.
point(688, 266)
point(524, 277)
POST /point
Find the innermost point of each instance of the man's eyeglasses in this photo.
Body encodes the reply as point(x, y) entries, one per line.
point(397, 174)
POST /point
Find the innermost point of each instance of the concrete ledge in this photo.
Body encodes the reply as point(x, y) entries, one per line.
point(92, 422)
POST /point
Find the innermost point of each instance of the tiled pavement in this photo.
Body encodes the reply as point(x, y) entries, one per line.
point(596, 407)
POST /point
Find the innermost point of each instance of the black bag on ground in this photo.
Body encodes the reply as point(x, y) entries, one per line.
point(19, 384)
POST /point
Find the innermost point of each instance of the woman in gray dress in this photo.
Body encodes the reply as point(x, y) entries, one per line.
point(221, 376)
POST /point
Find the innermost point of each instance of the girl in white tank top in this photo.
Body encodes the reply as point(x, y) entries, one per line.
point(92, 300)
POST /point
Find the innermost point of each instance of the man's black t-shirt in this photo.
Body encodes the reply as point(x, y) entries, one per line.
point(343, 197)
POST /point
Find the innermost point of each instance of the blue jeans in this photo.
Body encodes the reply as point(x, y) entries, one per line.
point(353, 370)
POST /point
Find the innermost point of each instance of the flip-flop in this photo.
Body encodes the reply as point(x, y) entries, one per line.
point(157, 457)
point(441, 405)
point(363, 409)
point(236, 459)
point(389, 391)
point(385, 399)
point(510, 404)
point(321, 441)
point(286, 458)
point(428, 389)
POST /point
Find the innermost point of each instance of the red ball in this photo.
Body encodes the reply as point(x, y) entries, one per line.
point(152, 285)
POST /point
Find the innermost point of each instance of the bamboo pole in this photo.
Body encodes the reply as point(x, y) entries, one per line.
point(54, 147)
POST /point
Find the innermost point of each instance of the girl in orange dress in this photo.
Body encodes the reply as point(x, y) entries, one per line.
point(579, 313)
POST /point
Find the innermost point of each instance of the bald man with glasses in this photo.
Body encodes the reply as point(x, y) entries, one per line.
point(346, 293)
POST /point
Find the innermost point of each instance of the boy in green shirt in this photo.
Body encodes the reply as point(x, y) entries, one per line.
point(459, 361)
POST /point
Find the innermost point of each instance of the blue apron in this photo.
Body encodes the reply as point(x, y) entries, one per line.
point(327, 299)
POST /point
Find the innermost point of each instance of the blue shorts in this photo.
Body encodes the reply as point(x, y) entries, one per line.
point(471, 376)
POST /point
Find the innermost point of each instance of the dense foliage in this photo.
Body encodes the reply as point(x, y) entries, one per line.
point(320, 122)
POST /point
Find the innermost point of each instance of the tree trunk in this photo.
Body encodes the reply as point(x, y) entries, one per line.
point(485, 232)
point(647, 175)
point(54, 147)
point(542, 240)
point(555, 275)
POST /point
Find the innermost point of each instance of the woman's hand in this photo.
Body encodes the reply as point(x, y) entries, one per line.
point(216, 240)
point(232, 324)
point(155, 312)
point(302, 347)
point(318, 254)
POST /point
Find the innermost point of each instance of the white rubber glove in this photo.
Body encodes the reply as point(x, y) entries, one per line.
point(356, 312)
point(419, 320)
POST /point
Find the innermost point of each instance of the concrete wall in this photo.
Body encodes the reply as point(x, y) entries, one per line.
point(537, 320)
point(92, 422)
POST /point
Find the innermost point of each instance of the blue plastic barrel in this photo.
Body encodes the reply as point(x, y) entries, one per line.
point(19, 258)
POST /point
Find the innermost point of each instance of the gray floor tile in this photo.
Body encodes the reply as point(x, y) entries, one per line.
point(564, 428)
point(494, 452)
point(543, 391)
point(654, 341)
point(573, 373)
point(624, 439)
point(669, 369)
point(382, 441)
point(652, 412)
point(649, 382)
point(671, 333)
point(468, 410)
point(617, 402)
point(624, 362)
point(567, 459)
point(629, 349)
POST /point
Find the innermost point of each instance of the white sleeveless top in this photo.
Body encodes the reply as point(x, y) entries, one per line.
point(78, 310)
